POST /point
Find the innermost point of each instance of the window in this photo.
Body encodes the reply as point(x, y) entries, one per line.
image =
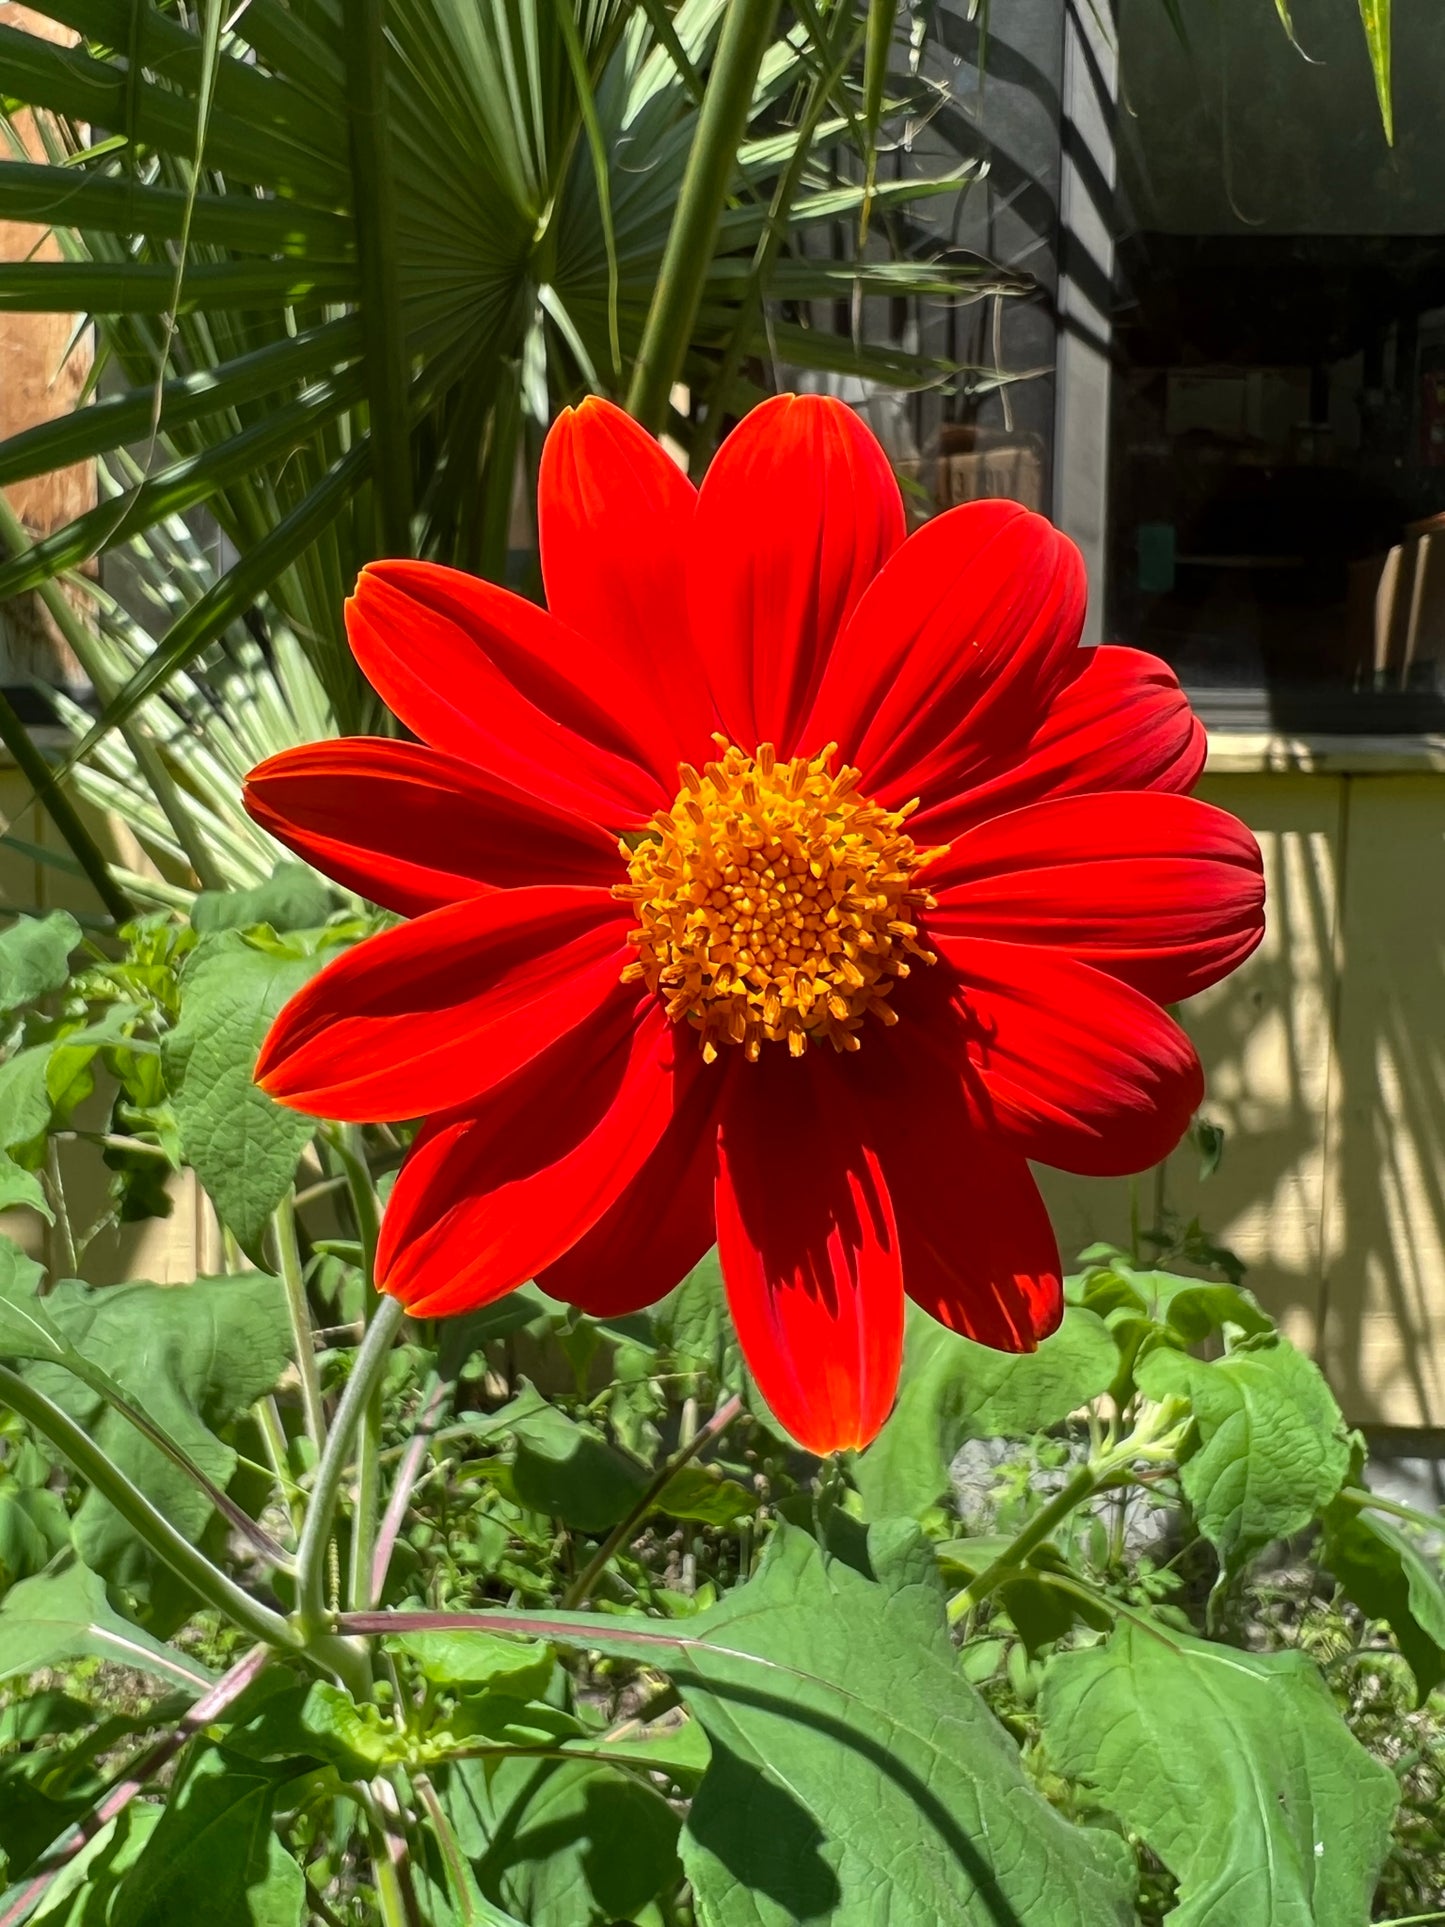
point(1277, 434)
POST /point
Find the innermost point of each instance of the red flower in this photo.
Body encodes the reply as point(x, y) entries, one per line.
point(904, 878)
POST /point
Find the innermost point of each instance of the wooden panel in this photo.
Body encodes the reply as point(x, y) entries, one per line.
point(1264, 1038)
point(1384, 1302)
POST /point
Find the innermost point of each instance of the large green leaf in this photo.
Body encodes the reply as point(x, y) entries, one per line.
point(855, 1773)
point(570, 1470)
point(84, 1889)
point(64, 1615)
point(1271, 1450)
point(243, 1146)
point(193, 1357)
point(1236, 1768)
point(563, 1843)
point(953, 1390)
point(214, 1855)
point(1389, 1577)
point(34, 957)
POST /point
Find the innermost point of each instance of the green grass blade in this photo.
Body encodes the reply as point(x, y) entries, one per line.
point(1375, 18)
point(120, 419)
point(711, 163)
point(117, 204)
point(236, 592)
point(116, 288)
point(376, 232)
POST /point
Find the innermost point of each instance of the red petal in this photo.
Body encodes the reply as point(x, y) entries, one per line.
point(490, 1199)
point(660, 1225)
point(429, 1015)
point(413, 829)
point(1163, 891)
point(979, 1253)
point(796, 515)
point(484, 675)
point(958, 647)
point(614, 514)
point(1081, 1071)
point(1123, 723)
point(809, 1251)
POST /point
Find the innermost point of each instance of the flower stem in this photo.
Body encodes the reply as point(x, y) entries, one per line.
point(712, 158)
point(184, 1559)
point(312, 1609)
point(576, 1594)
point(434, 1404)
point(303, 1338)
point(1083, 1485)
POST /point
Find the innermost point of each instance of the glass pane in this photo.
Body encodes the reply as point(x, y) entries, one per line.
point(1277, 525)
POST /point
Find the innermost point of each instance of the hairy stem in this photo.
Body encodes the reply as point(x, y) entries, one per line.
point(367, 1367)
point(434, 1404)
point(184, 1559)
point(304, 1339)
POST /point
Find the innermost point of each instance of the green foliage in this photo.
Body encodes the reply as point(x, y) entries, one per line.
point(1271, 1452)
point(193, 1359)
point(954, 1390)
point(852, 1761)
point(34, 957)
point(243, 1146)
point(1269, 1813)
point(64, 1615)
point(1044, 1680)
point(214, 1856)
point(1390, 1577)
point(563, 1843)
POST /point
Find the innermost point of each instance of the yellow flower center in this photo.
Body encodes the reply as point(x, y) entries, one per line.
point(775, 903)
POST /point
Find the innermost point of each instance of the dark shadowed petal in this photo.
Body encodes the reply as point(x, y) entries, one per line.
point(979, 1253)
point(491, 1198)
point(663, 1222)
point(413, 829)
point(809, 1250)
point(1077, 1069)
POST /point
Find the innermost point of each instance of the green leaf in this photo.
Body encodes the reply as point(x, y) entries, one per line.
point(193, 1357)
point(243, 1147)
point(295, 898)
point(520, 1668)
point(1236, 1768)
point(692, 1323)
point(1375, 18)
point(318, 1722)
point(855, 1769)
point(563, 1843)
point(64, 1615)
point(214, 1856)
point(85, 1888)
point(953, 1390)
point(35, 957)
point(698, 1493)
point(26, 1328)
point(21, 1187)
point(1271, 1451)
point(570, 1471)
point(1390, 1578)
point(24, 1097)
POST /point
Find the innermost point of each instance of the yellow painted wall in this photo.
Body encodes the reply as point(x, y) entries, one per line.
point(1325, 1058)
